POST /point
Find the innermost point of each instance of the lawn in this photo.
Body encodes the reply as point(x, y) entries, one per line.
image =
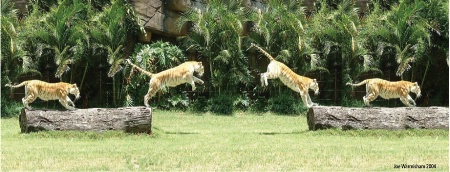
point(183, 141)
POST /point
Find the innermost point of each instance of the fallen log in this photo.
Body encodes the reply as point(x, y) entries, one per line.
point(129, 119)
point(324, 117)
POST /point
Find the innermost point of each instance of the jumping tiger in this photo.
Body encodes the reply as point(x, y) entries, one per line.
point(48, 91)
point(388, 90)
point(183, 73)
point(300, 84)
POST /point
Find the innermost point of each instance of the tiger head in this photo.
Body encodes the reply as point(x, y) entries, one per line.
point(73, 89)
point(199, 68)
point(314, 86)
point(415, 89)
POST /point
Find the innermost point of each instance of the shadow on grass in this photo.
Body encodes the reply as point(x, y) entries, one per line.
point(180, 132)
point(381, 133)
point(159, 130)
point(280, 133)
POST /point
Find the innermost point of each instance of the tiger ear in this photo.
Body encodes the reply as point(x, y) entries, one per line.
point(415, 83)
point(75, 85)
point(315, 80)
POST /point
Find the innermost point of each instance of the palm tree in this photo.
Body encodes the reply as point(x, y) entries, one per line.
point(216, 35)
point(406, 32)
point(62, 34)
point(281, 28)
point(336, 31)
point(340, 30)
point(14, 59)
point(110, 32)
point(436, 13)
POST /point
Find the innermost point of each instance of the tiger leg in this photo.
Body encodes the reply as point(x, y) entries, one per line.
point(407, 100)
point(65, 104)
point(310, 101)
point(305, 100)
point(263, 79)
point(193, 81)
point(29, 98)
point(411, 100)
point(70, 101)
point(152, 90)
point(265, 76)
point(198, 80)
point(369, 97)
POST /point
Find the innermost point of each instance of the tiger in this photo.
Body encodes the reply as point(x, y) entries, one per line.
point(183, 73)
point(300, 84)
point(388, 90)
point(48, 91)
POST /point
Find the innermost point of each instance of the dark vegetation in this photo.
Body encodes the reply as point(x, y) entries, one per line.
point(86, 42)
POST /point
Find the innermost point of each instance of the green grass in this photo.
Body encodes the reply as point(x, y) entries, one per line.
point(183, 141)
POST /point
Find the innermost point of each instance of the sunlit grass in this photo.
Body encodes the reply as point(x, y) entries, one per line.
point(203, 142)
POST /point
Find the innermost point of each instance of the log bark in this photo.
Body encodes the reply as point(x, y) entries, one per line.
point(129, 119)
point(324, 117)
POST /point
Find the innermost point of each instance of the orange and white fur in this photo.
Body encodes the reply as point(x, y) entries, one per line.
point(300, 84)
point(389, 90)
point(183, 73)
point(48, 91)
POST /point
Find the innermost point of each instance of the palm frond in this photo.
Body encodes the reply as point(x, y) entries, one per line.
point(115, 67)
point(63, 67)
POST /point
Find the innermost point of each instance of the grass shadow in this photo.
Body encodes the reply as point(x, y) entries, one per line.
point(283, 133)
point(180, 132)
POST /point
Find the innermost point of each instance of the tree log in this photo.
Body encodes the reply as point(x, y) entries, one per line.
point(324, 117)
point(129, 119)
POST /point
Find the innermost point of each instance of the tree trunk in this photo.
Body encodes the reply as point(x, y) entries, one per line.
point(129, 119)
point(323, 117)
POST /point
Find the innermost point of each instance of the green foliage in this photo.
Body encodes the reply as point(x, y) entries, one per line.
point(78, 39)
point(15, 59)
point(110, 32)
point(242, 102)
point(62, 33)
point(199, 105)
point(287, 103)
point(216, 35)
point(405, 31)
point(179, 101)
point(157, 56)
point(280, 29)
point(259, 105)
point(348, 102)
point(221, 104)
point(10, 108)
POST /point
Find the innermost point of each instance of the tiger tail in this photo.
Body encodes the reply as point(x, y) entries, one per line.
point(18, 85)
point(262, 51)
point(139, 69)
point(358, 84)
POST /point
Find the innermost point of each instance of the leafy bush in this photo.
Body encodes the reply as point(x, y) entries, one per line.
point(10, 108)
point(260, 104)
point(178, 101)
point(221, 104)
point(199, 105)
point(242, 102)
point(286, 103)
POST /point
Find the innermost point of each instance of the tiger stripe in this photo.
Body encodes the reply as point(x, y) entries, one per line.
point(388, 90)
point(48, 91)
point(298, 83)
point(183, 73)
